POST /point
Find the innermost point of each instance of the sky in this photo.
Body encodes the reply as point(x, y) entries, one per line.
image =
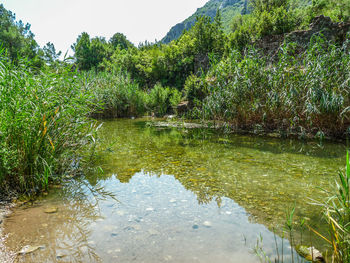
point(61, 21)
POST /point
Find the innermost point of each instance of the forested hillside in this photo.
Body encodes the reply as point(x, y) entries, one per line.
point(228, 8)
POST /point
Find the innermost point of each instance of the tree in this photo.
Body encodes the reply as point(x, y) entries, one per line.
point(120, 40)
point(209, 40)
point(82, 51)
point(90, 53)
point(16, 37)
point(50, 56)
point(260, 6)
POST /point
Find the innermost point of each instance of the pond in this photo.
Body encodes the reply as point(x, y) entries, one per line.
point(179, 195)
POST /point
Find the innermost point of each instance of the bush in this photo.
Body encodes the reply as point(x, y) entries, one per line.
point(118, 94)
point(196, 90)
point(161, 99)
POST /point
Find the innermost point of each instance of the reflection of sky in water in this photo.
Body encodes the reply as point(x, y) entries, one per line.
point(154, 219)
point(174, 195)
point(158, 219)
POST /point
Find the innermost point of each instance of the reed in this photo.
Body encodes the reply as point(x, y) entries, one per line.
point(298, 93)
point(43, 124)
point(337, 214)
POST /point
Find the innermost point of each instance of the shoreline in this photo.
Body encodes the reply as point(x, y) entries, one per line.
point(270, 133)
point(5, 255)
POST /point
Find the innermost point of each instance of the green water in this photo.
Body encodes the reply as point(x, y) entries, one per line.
point(178, 195)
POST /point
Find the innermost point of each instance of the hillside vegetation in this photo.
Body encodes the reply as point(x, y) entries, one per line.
point(46, 103)
point(279, 66)
point(228, 9)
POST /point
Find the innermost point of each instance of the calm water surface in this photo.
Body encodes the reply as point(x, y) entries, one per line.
point(177, 195)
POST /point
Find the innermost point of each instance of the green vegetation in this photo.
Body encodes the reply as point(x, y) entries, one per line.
point(218, 66)
point(18, 42)
point(16, 37)
point(43, 124)
point(171, 64)
point(228, 8)
point(119, 96)
point(93, 53)
point(337, 213)
point(293, 95)
point(264, 14)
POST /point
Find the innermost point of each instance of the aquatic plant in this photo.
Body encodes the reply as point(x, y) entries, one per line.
point(337, 214)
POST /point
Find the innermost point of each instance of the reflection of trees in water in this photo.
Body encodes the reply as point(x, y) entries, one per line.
point(184, 152)
point(83, 202)
point(70, 229)
point(155, 150)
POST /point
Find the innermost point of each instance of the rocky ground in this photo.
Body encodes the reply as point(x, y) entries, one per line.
point(5, 255)
point(320, 26)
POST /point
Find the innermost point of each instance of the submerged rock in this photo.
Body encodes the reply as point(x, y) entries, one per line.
point(310, 253)
point(153, 232)
point(60, 256)
point(29, 249)
point(51, 210)
point(207, 224)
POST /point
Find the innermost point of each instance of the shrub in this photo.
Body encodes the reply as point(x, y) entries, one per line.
point(161, 99)
point(196, 90)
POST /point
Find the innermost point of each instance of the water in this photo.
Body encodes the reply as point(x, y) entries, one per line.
point(177, 195)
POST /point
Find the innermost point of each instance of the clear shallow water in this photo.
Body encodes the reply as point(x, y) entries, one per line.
point(172, 195)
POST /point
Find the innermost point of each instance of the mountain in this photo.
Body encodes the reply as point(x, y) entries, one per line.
point(228, 8)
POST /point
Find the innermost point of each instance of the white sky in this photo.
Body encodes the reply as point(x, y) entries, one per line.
point(61, 21)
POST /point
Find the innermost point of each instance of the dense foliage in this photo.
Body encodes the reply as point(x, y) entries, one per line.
point(16, 37)
point(118, 96)
point(18, 42)
point(309, 94)
point(93, 53)
point(150, 64)
point(43, 123)
point(228, 8)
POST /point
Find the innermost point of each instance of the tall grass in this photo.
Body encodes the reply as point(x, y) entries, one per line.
point(336, 210)
point(44, 118)
point(306, 92)
point(337, 213)
point(119, 95)
point(43, 123)
point(122, 97)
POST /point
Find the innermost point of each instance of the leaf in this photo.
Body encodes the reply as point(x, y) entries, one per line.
point(53, 146)
point(347, 165)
